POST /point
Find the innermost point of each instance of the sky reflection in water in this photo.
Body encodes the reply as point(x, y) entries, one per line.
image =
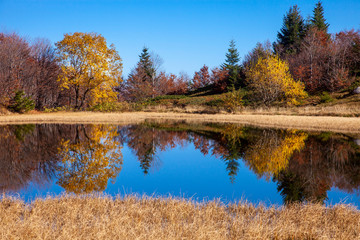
point(222, 161)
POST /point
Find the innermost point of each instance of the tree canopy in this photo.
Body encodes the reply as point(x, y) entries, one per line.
point(271, 80)
point(232, 65)
point(292, 31)
point(318, 20)
point(90, 68)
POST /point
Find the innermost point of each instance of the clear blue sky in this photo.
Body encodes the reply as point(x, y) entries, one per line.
point(186, 34)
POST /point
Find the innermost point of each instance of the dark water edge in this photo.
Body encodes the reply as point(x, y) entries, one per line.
point(198, 161)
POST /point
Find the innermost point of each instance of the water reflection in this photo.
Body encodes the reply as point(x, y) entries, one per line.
point(326, 161)
point(89, 160)
point(28, 154)
point(83, 158)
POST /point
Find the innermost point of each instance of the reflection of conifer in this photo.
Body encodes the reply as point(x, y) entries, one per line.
point(232, 167)
point(290, 186)
point(293, 189)
point(21, 131)
point(231, 159)
point(147, 159)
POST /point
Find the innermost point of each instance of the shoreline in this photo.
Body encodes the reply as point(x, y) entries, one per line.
point(309, 123)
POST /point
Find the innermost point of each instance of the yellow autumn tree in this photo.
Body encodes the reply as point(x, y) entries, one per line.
point(90, 69)
point(88, 163)
point(272, 151)
point(271, 81)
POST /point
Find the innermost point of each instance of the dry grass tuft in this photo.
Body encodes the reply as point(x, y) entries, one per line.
point(103, 217)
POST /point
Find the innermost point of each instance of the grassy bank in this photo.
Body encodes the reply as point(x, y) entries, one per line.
point(99, 217)
point(342, 104)
point(314, 123)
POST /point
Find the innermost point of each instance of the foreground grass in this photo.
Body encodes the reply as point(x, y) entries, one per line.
point(312, 123)
point(101, 217)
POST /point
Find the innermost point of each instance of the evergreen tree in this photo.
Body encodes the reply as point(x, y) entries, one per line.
point(146, 62)
point(232, 65)
point(292, 31)
point(318, 20)
point(232, 56)
point(144, 78)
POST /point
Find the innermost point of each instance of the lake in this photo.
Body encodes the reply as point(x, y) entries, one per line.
point(208, 161)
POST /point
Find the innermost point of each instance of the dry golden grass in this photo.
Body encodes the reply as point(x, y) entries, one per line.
point(101, 217)
point(324, 110)
point(313, 123)
point(340, 110)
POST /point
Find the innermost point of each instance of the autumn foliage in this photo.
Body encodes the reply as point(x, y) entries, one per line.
point(32, 69)
point(90, 69)
point(271, 81)
point(325, 64)
point(201, 78)
point(83, 72)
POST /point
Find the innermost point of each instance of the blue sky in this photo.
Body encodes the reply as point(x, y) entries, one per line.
point(186, 34)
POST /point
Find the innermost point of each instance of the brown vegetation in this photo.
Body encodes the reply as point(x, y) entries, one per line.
point(100, 217)
point(32, 68)
point(336, 124)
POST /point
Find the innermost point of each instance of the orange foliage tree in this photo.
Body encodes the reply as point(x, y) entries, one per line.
point(201, 78)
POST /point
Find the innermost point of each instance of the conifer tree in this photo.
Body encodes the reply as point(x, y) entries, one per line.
point(318, 20)
point(232, 65)
point(292, 31)
point(232, 56)
point(146, 62)
point(143, 80)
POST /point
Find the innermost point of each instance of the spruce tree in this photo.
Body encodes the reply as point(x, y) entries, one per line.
point(318, 20)
point(232, 65)
point(292, 31)
point(232, 56)
point(146, 62)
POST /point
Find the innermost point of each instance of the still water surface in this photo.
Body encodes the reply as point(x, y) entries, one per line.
point(200, 161)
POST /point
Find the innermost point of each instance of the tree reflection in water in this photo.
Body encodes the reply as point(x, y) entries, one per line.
point(84, 158)
point(304, 165)
point(29, 154)
point(90, 160)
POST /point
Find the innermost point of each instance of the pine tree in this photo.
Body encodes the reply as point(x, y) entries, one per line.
point(144, 79)
point(146, 62)
point(318, 20)
point(292, 31)
point(232, 65)
point(232, 56)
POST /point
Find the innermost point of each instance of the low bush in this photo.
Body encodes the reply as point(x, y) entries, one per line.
point(20, 103)
point(326, 98)
point(233, 100)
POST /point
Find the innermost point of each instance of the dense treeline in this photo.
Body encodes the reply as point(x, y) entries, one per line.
point(82, 71)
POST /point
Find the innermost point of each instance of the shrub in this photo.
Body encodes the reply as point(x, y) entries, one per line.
point(21, 103)
point(271, 81)
point(233, 100)
point(326, 98)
